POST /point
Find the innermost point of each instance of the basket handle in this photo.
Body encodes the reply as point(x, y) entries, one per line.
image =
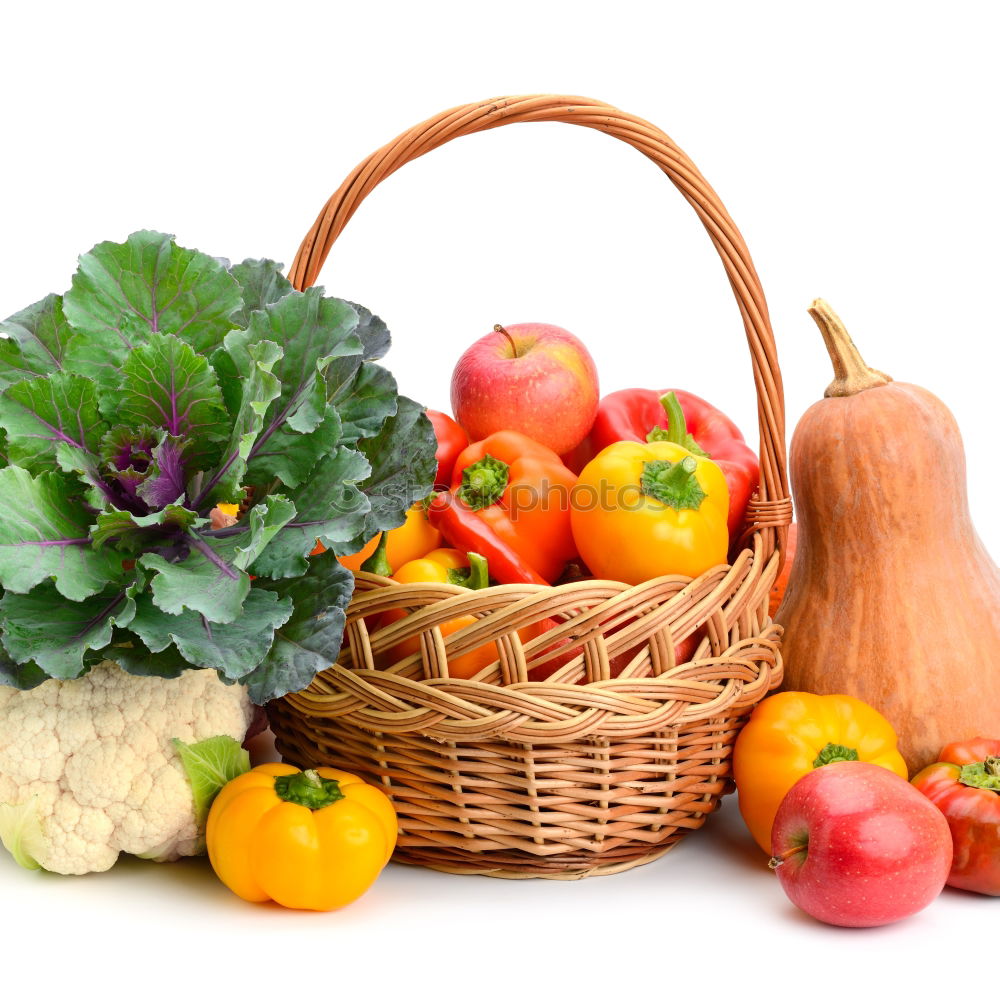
point(770, 512)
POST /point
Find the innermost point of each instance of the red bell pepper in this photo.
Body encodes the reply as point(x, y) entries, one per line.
point(965, 785)
point(452, 441)
point(645, 415)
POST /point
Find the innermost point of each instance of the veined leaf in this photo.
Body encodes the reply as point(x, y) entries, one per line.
point(38, 337)
point(129, 531)
point(262, 283)
point(134, 658)
point(209, 765)
point(234, 649)
point(402, 471)
point(41, 413)
point(248, 386)
point(54, 634)
point(165, 478)
point(329, 507)
point(23, 676)
point(164, 384)
point(313, 330)
point(373, 332)
point(366, 402)
point(212, 579)
point(45, 533)
point(125, 292)
point(311, 638)
point(291, 457)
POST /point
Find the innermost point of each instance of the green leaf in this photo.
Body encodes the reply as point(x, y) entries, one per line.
point(22, 676)
point(366, 402)
point(21, 832)
point(264, 521)
point(212, 579)
point(135, 658)
point(44, 533)
point(124, 292)
point(130, 531)
point(54, 633)
point(41, 413)
point(402, 471)
point(38, 337)
point(209, 765)
point(248, 386)
point(313, 330)
point(311, 638)
point(262, 283)
point(373, 332)
point(205, 581)
point(329, 507)
point(164, 384)
point(233, 650)
point(291, 457)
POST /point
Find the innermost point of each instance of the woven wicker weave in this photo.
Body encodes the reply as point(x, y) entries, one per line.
point(582, 773)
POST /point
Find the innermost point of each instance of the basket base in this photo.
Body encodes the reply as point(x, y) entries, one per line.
point(517, 865)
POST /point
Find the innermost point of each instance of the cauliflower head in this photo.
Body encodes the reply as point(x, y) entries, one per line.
point(90, 766)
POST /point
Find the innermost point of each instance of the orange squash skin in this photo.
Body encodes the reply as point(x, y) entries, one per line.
point(892, 597)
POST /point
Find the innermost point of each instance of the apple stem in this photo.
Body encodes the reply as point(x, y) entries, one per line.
point(497, 328)
point(779, 860)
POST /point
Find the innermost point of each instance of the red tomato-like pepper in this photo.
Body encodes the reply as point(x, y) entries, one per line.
point(452, 441)
point(965, 785)
point(645, 415)
point(521, 491)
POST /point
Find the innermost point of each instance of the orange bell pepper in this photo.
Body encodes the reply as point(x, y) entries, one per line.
point(413, 538)
point(309, 840)
point(521, 490)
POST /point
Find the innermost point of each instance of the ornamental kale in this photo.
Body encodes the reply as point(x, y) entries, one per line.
point(163, 383)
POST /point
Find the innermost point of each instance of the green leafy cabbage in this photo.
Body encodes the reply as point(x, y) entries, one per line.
point(163, 383)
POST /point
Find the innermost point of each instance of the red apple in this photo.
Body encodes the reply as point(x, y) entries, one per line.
point(854, 846)
point(529, 377)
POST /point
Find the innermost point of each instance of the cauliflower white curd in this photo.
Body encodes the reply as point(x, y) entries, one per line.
point(88, 768)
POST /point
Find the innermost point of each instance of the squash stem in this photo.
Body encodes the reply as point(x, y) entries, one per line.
point(851, 374)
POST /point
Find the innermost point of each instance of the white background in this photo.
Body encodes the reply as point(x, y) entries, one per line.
point(854, 144)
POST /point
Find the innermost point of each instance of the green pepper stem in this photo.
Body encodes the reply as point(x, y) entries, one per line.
point(484, 482)
point(834, 752)
point(676, 431)
point(307, 788)
point(378, 561)
point(475, 577)
point(983, 774)
point(673, 483)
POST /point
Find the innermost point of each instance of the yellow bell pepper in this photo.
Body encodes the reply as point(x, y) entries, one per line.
point(647, 510)
point(790, 734)
point(309, 840)
point(412, 539)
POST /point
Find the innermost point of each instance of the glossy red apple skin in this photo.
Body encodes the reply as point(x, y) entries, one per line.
point(874, 853)
point(543, 385)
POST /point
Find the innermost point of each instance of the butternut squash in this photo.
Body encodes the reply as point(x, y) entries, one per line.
point(892, 597)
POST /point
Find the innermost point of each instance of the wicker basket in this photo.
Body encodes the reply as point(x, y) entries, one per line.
point(582, 773)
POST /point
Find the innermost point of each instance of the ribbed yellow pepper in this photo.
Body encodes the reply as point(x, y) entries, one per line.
point(792, 733)
point(647, 510)
point(309, 840)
